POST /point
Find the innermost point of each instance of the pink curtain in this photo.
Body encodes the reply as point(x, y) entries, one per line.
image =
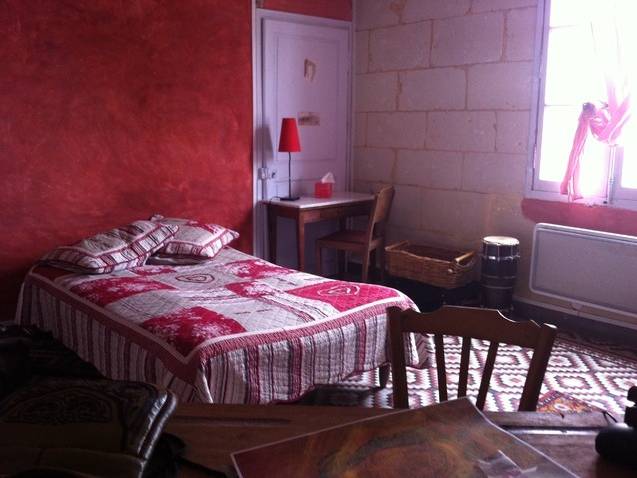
point(604, 121)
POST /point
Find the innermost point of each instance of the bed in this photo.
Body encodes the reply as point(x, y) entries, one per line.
point(234, 329)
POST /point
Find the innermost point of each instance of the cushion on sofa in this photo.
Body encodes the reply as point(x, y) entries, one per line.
point(96, 427)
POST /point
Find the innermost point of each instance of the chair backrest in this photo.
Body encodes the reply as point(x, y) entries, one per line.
point(468, 323)
point(380, 212)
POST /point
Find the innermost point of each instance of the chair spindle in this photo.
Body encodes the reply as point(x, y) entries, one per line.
point(463, 378)
point(440, 365)
point(486, 374)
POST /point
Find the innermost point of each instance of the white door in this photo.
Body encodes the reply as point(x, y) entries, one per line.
point(305, 68)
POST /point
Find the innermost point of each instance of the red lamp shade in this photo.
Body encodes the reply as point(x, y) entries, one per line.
point(289, 140)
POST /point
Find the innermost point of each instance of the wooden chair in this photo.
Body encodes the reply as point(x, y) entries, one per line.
point(468, 323)
point(366, 242)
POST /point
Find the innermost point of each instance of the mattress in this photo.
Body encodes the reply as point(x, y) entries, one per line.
point(235, 329)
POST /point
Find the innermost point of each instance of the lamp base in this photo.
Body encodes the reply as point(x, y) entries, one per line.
point(290, 198)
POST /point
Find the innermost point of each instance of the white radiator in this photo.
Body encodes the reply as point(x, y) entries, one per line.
point(585, 267)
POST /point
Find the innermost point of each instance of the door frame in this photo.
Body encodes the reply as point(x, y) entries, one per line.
point(259, 229)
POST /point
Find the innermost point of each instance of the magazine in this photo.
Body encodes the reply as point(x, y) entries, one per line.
point(449, 439)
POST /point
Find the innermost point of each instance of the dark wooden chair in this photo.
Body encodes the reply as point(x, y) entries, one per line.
point(468, 323)
point(367, 242)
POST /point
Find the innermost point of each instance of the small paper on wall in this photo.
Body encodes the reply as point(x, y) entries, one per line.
point(309, 69)
point(309, 118)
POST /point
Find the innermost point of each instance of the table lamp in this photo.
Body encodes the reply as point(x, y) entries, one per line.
point(289, 143)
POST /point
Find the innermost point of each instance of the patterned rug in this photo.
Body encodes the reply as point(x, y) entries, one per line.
point(593, 373)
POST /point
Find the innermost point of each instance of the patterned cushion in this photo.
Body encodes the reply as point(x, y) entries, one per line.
point(194, 238)
point(118, 249)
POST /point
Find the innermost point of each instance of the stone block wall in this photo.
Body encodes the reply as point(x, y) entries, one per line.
point(443, 93)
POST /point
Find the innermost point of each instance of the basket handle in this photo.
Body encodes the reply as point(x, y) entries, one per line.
point(395, 246)
point(468, 257)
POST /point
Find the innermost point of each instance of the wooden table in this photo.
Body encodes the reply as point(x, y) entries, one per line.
point(212, 432)
point(309, 209)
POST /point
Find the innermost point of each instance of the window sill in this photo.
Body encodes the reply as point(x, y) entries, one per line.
point(593, 201)
point(610, 218)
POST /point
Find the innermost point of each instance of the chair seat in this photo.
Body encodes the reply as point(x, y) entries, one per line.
point(358, 242)
point(345, 236)
point(347, 239)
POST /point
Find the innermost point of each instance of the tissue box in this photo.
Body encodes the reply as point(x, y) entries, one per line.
point(323, 190)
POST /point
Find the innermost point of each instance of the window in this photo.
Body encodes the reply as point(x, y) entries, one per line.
point(587, 46)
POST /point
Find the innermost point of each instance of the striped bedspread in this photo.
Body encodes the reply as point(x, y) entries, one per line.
point(235, 329)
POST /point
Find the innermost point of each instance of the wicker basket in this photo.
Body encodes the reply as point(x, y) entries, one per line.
point(432, 265)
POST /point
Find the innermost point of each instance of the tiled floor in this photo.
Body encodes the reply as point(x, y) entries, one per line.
point(597, 364)
point(597, 372)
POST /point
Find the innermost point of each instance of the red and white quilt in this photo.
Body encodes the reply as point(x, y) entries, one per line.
point(235, 329)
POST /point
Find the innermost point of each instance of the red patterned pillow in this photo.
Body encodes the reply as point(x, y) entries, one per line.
point(118, 249)
point(195, 239)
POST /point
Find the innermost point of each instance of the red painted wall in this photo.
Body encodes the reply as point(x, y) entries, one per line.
point(112, 111)
point(619, 221)
point(338, 9)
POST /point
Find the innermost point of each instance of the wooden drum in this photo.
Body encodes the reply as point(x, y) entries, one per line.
point(500, 257)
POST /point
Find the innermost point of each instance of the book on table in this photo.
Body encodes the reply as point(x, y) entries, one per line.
point(449, 439)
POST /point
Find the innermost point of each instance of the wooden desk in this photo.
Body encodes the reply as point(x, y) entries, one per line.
point(309, 209)
point(212, 432)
